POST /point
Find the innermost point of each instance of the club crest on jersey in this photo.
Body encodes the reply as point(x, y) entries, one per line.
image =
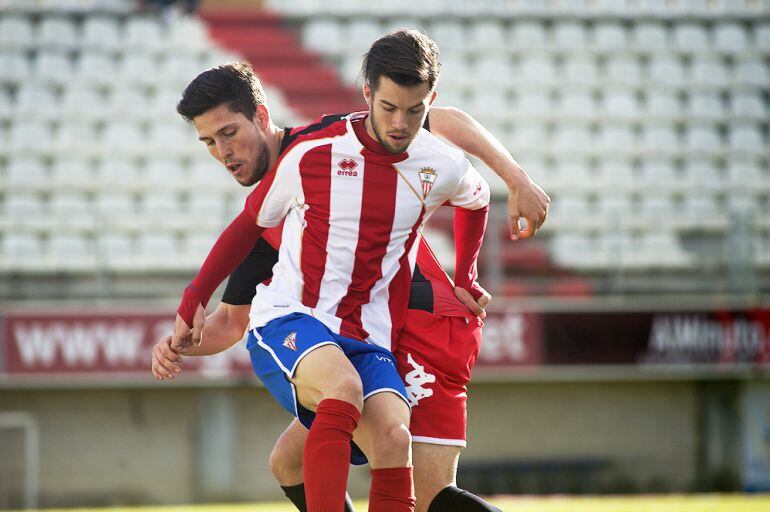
point(427, 178)
point(291, 341)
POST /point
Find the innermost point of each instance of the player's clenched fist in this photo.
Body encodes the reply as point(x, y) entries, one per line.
point(166, 362)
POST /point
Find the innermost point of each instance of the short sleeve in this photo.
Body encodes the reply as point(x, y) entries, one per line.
point(472, 192)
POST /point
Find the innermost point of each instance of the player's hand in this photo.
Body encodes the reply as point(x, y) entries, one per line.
point(166, 362)
point(475, 306)
point(184, 338)
point(526, 200)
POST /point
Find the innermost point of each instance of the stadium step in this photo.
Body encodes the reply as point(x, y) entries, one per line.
point(311, 87)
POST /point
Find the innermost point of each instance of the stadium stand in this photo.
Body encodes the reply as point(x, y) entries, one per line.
point(646, 121)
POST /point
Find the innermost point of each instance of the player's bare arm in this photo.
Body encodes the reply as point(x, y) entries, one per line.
point(526, 199)
point(223, 329)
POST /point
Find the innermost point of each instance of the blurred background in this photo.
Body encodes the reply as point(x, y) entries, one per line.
point(628, 349)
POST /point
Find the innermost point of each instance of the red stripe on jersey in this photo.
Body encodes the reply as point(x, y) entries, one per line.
point(378, 210)
point(400, 287)
point(314, 170)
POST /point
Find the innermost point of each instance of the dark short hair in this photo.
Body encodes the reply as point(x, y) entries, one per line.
point(234, 84)
point(406, 56)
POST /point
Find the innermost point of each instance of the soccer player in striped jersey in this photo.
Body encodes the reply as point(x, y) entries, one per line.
point(237, 173)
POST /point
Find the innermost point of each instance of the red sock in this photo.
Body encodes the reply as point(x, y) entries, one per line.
point(326, 459)
point(392, 490)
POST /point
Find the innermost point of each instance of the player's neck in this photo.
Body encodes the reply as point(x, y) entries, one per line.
point(274, 137)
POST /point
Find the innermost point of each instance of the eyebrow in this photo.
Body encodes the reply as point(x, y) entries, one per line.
point(394, 106)
point(225, 127)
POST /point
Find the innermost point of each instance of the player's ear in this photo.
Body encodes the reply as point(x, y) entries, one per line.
point(262, 117)
point(368, 94)
point(433, 97)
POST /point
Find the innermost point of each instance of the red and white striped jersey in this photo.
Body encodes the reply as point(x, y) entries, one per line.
point(352, 214)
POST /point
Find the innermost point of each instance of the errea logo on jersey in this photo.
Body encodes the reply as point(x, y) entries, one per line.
point(347, 167)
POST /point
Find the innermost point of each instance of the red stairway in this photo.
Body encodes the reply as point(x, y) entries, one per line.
point(311, 86)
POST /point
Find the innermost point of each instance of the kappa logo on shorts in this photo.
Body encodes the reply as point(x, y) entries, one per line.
point(291, 341)
point(415, 380)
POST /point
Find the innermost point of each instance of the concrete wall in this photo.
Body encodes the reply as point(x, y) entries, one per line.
point(144, 446)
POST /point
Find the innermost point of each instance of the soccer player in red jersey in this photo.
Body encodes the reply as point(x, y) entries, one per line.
point(235, 168)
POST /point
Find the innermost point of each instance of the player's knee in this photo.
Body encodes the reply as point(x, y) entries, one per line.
point(284, 467)
point(346, 387)
point(392, 447)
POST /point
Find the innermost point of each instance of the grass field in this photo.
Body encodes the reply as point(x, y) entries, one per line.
point(676, 503)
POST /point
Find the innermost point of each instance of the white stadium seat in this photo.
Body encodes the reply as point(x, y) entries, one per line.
point(570, 35)
point(96, 67)
point(25, 173)
point(128, 102)
point(16, 67)
point(609, 36)
point(122, 139)
point(141, 68)
point(691, 37)
point(72, 174)
point(187, 34)
point(496, 70)
point(616, 139)
point(450, 36)
point(359, 35)
point(660, 174)
point(56, 32)
point(164, 173)
point(703, 174)
point(16, 32)
point(666, 70)
point(68, 206)
point(142, 33)
point(747, 174)
point(487, 35)
point(706, 105)
point(117, 249)
point(53, 66)
point(525, 35)
point(748, 105)
point(762, 37)
point(116, 205)
point(660, 138)
point(101, 32)
point(72, 251)
point(537, 70)
point(747, 138)
point(578, 104)
point(25, 206)
point(581, 70)
point(36, 101)
point(157, 204)
point(22, 251)
point(117, 173)
point(650, 36)
point(323, 35)
point(662, 105)
point(620, 104)
point(84, 102)
point(76, 139)
point(703, 139)
point(709, 72)
point(571, 138)
point(624, 70)
point(751, 71)
point(730, 37)
point(30, 138)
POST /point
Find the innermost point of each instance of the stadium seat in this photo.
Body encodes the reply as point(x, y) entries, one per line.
point(76, 139)
point(56, 32)
point(750, 71)
point(730, 38)
point(115, 173)
point(533, 137)
point(624, 70)
point(16, 67)
point(708, 72)
point(620, 104)
point(650, 36)
point(139, 68)
point(128, 102)
point(22, 251)
point(450, 35)
point(662, 106)
point(690, 37)
point(660, 174)
point(578, 104)
point(209, 175)
point(703, 174)
point(116, 250)
point(537, 70)
point(180, 69)
point(496, 70)
point(569, 35)
point(142, 33)
point(116, 207)
point(705, 106)
point(171, 139)
point(122, 139)
point(323, 35)
point(160, 204)
point(747, 174)
point(609, 36)
point(158, 250)
point(703, 139)
point(747, 138)
point(487, 35)
point(100, 32)
point(660, 138)
point(36, 101)
point(95, 67)
point(187, 34)
point(16, 32)
point(71, 207)
point(72, 251)
point(72, 174)
point(525, 34)
point(748, 105)
point(25, 174)
point(581, 70)
point(84, 103)
point(197, 247)
point(762, 37)
point(54, 67)
point(616, 138)
point(667, 71)
point(29, 138)
point(164, 173)
point(661, 249)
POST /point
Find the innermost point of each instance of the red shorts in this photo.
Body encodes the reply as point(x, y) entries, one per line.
point(434, 356)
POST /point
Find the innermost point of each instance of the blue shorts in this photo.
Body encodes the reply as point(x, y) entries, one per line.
point(277, 347)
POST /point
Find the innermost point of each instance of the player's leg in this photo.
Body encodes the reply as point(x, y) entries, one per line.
point(435, 471)
point(328, 384)
point(298, 360)
point(383, 434)
point(286, 465)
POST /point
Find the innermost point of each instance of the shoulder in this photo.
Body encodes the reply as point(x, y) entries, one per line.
point(322, 128)
point(427, 145)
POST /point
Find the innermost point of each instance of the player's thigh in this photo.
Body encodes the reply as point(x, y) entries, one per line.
point(383, 431)
point(325, 373)
point(435, 467)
